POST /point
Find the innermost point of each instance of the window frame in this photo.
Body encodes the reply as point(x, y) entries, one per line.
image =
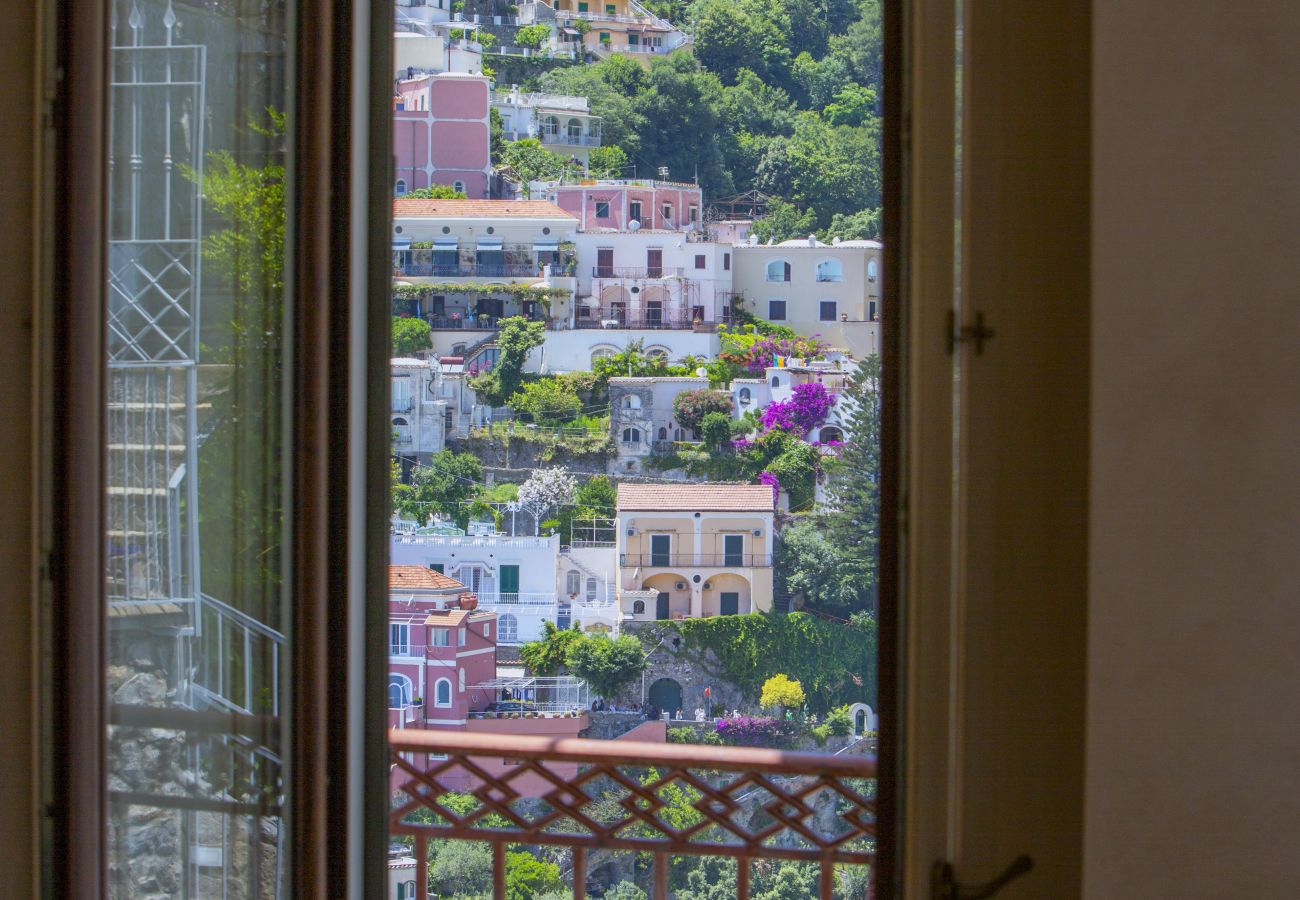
point(771, 311)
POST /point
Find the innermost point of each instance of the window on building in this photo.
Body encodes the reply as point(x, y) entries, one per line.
point(442, 692)
point(699, 261)
point(611, 9)
point(872, 311)
point(633, 39)
point(440, 568)
point(726, 262)
point(508, 629)
point(582, 6)
point(638, 607)
point(400, 188)
point(776, 381)
point(604, 37)
point(663, 434)
point(592, 588)
point(745, 397)
point(693, 214)
point(631, 401)
point(602, 209)
point(873, 269)
point(826, 311)
point(487, 629)
point(778, 270)
point(460, 678)
point(399, 639)
point(572, 582)
point(439, 637)
point(462, 635)
point(667, 212)
point(776, 310)
point(634, 210)
point(631, 435)
point(399, 691)
point(830, 270)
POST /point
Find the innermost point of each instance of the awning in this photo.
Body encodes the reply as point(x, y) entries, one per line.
point(546, 246)
point(446, 243)
point(401, 242)
point(489, 243)
point(568, 30)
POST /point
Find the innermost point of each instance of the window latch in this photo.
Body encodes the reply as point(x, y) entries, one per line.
point(945, 886)
point(979, 333)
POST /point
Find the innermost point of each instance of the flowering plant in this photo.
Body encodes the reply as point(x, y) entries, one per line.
point(806, 409)
point(753, 731)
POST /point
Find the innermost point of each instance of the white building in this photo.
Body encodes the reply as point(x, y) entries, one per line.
point(563, 124)
point(423, 406)
point(642, 420)
point(831, 290)
point(654, 279)
point(521, 579)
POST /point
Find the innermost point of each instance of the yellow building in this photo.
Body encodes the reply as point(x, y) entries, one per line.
point(692, 550)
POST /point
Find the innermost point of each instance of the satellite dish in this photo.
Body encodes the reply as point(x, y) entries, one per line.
point(633, 225)
point(701, 371)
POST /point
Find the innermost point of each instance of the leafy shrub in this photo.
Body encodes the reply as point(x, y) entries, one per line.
point(821, 733)
point(780, 691)
point(434, 192)
point(754, 731)
point(839, 721)
point(690, 407)
point(409, 335)
point(549, 401)
point(607, 664)
point(532, 36)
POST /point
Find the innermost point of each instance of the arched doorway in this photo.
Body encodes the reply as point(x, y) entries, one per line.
point(666, 696)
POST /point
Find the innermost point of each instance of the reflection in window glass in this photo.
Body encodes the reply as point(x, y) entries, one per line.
point(193, 533)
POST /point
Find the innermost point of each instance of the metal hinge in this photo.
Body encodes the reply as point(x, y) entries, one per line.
point(944, 884)
point(979, 333)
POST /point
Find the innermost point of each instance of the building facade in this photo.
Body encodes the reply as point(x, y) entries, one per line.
point(563, 124)
point(617, 26)
point(441, 133)
point(830, 290)
point(702, 549)
point(423, 407)
point(642, 420)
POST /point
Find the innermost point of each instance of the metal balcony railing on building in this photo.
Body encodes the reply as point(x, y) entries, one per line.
point(695, 560)
point(753, 803)
point(539, 599)
point(570, 140)
point(468, 270)
point(634, 272)
point(668, 319)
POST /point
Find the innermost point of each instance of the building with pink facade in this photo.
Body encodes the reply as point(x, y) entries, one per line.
point(617, 203)
point(441, 133)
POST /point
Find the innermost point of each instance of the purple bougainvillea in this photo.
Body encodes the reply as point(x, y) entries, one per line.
point(806, 409)
point(752, 731)
point(770, 479)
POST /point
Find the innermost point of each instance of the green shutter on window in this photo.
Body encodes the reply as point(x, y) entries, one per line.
point(509, 579)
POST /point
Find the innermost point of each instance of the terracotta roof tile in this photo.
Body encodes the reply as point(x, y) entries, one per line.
point(480, 209)
point(451, 617)
point(418, 578)
point(696, 497)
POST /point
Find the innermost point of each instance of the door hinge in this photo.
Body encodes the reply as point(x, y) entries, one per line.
point(945, 886)
point(979, 333)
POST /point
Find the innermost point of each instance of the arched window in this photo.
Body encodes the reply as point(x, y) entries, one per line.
point(442, 692)
point(458, 186)
point(776, 382)
point(778, 270)
point(830, 270)
point(572, 580)
point(656, 352)
point(507, 629)
point(601, 353)
point(830, 433)
point(401, 187)
point(399, 691)
point(550, 125)
point(631, 435)
point(663, 434)
point(638, 607)
point(575, 128)
point(873, 269)
point(745, 397)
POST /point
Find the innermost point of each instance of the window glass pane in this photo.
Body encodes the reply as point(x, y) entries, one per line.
point(196, 611)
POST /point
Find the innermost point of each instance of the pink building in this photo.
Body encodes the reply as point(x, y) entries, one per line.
point(615, 204)
point(441, 133)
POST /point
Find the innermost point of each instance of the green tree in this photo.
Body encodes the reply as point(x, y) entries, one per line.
point(715, 429)
point(625, 890)
point(811, 566)
point(853, 482)
point(410, 335)
point(797, 468)
point(830, 169)
point(594, 500)
point(853, 105)
point(608, 162)
point(528, 877)
point(549, 401)
point(440, 488)
point(609, 87)
point(496, 134)
point(530, 161)
point(783, 222)
point(435, 192)
point(690, 407)
point(678, 107)
point(863, 225)
point(731, 35)
point(462, 869)
point(516, 338)
point(607, 664)
point(532, 36)
point(548, 655)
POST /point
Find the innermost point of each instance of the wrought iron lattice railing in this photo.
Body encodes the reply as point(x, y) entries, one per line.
point(585, 795)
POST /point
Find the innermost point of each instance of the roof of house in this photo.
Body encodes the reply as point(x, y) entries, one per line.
point(480, 209)
point(418, 578)
point(454, 617)
point(696, 497)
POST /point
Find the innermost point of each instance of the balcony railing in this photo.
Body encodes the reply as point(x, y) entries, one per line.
point(570, 140)
point(467, 270)
point(753, 804)
point(492, 599)
point(474, 322)
point(698, 560)
point(632, 272)
point(614, 317)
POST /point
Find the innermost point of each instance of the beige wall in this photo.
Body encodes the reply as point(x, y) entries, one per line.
point(803, 293)
point(1193, 745)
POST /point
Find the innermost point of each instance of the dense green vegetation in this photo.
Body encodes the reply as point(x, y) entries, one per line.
point(781, 96)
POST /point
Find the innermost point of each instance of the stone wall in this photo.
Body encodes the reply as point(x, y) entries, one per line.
point(692, 668)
